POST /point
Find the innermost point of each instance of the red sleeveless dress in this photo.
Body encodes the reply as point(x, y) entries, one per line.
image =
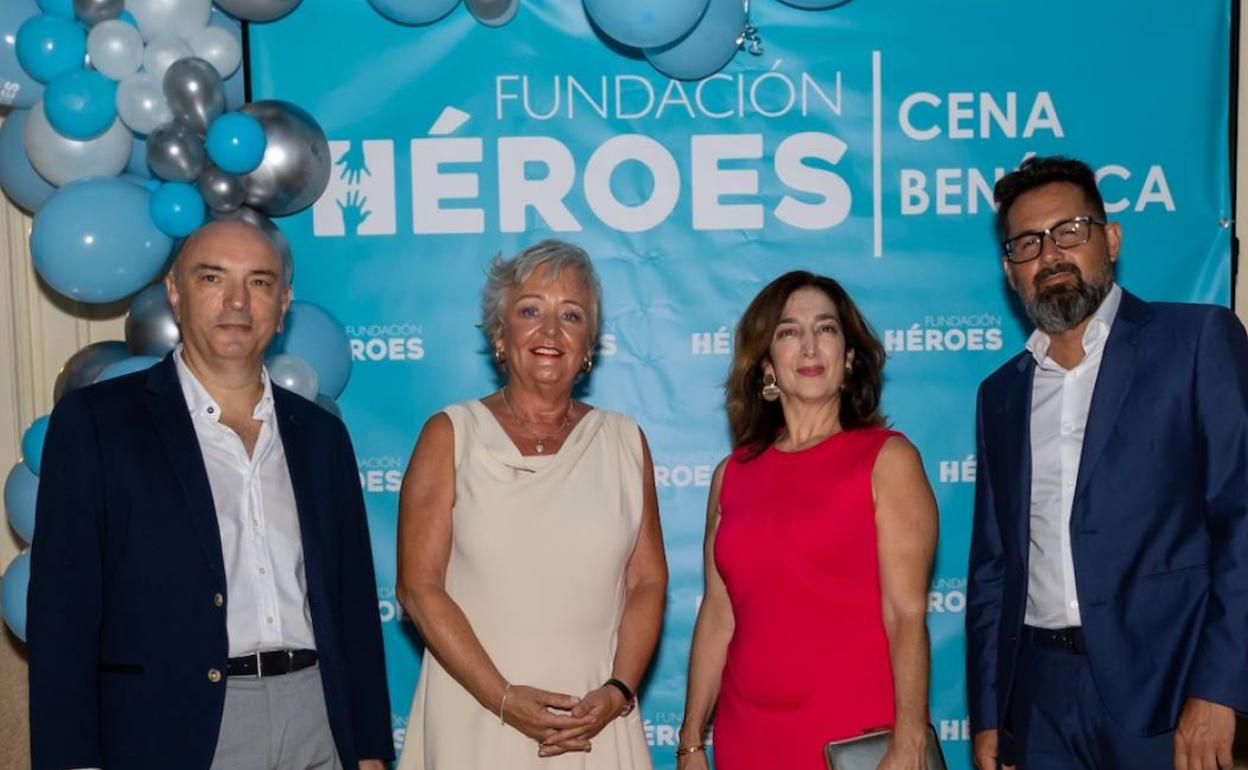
point(808, 661)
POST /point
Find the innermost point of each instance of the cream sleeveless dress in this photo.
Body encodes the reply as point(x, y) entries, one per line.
point(537, 564)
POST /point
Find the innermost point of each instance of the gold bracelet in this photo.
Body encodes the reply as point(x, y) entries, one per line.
point(503, 703)
point(680, 752)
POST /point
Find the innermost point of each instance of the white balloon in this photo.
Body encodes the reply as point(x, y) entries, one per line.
point(61, 160)
point(115, 48)
point(164, 18)
point(161, 53)
point(141, 102)
point(218, 47)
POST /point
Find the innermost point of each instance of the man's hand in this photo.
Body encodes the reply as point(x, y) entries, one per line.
point(986, 751)
point(372, 764)
point(1204, 736)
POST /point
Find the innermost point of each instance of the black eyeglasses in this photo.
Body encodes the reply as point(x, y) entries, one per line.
point(1066, 234)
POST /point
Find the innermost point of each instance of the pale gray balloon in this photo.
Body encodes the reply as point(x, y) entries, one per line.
point(161, 53)
point(61, 160)
point(150, 326)
point(115, 48)
point(329, 405)
point(93, 12)
point(176, 153)
point(195, 92)
point(296, 164)
point(219, 47)
point(258, 10)
point(141, 103)
point(84, 366)
point(222, 190)
point(294, 374)
point(172, 18)
point(493, 13)
point(266, 226)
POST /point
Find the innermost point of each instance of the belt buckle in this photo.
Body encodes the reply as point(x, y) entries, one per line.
point(1068, 640)
point(290, 658)
point(259, 666)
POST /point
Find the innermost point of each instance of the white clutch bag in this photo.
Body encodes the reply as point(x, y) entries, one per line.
point(864, 752)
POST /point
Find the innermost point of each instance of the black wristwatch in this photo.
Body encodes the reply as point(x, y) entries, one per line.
point(630, 700)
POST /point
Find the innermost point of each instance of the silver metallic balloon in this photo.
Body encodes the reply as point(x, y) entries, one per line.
point(493, 13)
point(258, 10)
point(93, 12)
point(176, 153)
point(222, 190)
point(195, 92)
point(84, 366)
point(296, 163)
point(150, 327)
point(265, 225)
point(294, 374)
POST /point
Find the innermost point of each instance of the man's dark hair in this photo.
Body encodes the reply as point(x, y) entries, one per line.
point(1038, 172)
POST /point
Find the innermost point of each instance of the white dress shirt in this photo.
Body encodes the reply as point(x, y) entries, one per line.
point(267, 597)
point(1060, 401)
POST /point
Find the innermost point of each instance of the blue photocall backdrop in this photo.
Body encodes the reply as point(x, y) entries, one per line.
point(863, 143)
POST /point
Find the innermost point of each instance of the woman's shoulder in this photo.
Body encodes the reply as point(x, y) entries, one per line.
point(878, 435)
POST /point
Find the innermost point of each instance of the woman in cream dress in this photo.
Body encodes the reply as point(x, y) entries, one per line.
point(530, 554)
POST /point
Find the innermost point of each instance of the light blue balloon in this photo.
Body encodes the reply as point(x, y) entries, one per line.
point(127, 366)
point(413, 11)
point(314, 335)
point(236, 143)
point(32, 444)
point(17, 88)
point(20, 488)
point(19, 179)
point(48, 46)
point(61, 8)
point(177, 208)
point(81, 103)
point(94, 240)
point(13, 588)
point(645, 23)
point(706, 48)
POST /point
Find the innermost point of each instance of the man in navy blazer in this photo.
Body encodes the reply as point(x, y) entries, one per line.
point(1107, 606)
point(202, 591)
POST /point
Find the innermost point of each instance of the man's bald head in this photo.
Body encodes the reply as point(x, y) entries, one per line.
point(229, 291)
point(228, 234)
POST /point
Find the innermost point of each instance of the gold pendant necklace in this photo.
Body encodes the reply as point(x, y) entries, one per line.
point(539, 442)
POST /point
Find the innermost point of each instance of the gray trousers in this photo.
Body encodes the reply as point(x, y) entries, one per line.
point(276, 723)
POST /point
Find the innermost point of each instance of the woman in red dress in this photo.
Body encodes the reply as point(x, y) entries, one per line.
point(820, 536)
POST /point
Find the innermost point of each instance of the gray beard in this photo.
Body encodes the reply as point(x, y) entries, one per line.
point(1063, 308)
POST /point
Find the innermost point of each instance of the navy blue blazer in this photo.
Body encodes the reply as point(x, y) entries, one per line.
point(1159, 527)
point(123, 626)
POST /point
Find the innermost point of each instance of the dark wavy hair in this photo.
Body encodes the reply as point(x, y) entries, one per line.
point(1038, 172)
point(754, 422)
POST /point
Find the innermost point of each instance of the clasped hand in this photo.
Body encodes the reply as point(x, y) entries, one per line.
point(560, 723)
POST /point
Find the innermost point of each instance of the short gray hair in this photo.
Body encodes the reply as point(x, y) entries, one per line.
point(556, 256)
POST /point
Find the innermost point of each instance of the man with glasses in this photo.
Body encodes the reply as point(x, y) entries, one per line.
point(1107, 607)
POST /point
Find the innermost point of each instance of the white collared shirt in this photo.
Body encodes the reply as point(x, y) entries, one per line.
point(267, 597)
point(1060, 401)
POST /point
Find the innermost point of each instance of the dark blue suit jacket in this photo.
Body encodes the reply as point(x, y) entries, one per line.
point(1159, 528)
point(122, 624)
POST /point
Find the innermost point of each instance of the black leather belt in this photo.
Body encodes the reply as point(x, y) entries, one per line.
point(271, 663)
point(1068, 640)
